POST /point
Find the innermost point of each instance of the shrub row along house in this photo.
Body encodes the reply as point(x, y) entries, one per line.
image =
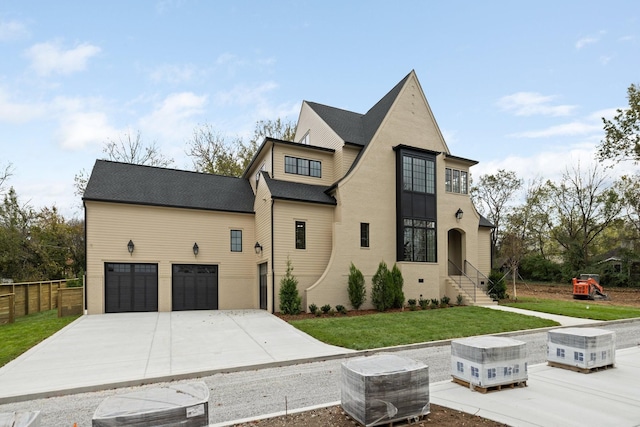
point(361, 188)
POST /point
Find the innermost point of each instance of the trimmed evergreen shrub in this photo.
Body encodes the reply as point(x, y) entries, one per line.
point(379, 284)
point(498, 287)
point(341, 309)
point(398, 282)
point(356, 287)
point(313, 308)
point(289, 298)
point(325, 308)
point(445, 300)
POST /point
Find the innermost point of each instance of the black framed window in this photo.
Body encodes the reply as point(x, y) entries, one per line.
point(419, 241)
point(364, 234)
point(418, 174)
point(301, 235)
point(236, 240)
point(305, 167)
point(456, 181)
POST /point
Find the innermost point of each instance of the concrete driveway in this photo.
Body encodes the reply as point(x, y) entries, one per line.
point(114, 350)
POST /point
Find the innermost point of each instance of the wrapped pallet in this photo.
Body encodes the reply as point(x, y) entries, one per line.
point(20, 419)
point(384, 388)
point(585, 348)
point(489, 361)
point(176, 405)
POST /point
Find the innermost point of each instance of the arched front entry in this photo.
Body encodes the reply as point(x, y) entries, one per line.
point(455, 252)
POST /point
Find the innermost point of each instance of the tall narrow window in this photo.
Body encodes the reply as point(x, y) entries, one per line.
point(419, 240)
point(364, 234)
point(301, 235)
point(447, 179)
point(236, 240)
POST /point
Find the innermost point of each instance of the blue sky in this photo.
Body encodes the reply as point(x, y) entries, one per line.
point(513, 84)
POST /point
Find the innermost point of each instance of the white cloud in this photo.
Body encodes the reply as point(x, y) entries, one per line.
point(245, 95)
point(79, 129)
point(566, 129)
point(172, 118)
point(18, 112)
point(50, 57)
point(169, 73)
point(584, 41)
point(12, 30)
point(533, 103)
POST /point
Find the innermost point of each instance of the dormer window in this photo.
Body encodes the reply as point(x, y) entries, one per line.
point(298, 166)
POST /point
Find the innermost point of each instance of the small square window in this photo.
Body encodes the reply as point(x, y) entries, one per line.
point(560, 352)
point(578, 356)
point(491, 373)
point(475, 372)
point(364, 234)
point(460, 367)
point(236, 240)
point(301, 235)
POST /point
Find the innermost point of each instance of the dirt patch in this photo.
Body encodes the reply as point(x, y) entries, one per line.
point(334, 416)
point(629, 297)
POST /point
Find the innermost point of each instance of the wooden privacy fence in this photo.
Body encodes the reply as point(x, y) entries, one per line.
point(7, 308)
point(70, 301)
point(32, 297)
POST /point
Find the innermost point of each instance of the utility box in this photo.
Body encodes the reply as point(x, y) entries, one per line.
point(489, 361)
point(384, 388)
point(20, 419)
point(185, 405)
point(584, 348)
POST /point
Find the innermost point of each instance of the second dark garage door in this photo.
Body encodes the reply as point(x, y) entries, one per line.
point(194, 287)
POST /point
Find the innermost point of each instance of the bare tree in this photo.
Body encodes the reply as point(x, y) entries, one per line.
point(491, 196)
point(133, 150)
point(5, 174)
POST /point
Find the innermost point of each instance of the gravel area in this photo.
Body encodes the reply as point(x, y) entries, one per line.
point(254, 393)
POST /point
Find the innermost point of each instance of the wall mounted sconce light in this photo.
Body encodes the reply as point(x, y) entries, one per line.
point(459, 214)
point(258, 248)
point(130, 247)
point(196, 249)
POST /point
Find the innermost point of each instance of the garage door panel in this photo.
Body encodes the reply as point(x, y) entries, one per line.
point(194, 287)
point(131, 287)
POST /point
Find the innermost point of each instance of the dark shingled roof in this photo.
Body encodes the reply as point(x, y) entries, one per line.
point(358, 128)
point(296, 191)
point(484, 222)
point(147, 185)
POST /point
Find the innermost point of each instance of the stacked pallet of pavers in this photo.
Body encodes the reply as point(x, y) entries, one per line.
point(384, 388)
point(488, 363)
point(581, 349)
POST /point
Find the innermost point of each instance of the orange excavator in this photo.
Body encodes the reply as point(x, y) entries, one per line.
point(588, 287)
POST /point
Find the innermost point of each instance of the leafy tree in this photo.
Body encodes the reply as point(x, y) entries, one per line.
point(491, 196)
point(379, 287)
point(582, 208)
point(513, 249)
point(356, 287)
point(629, 189)
point(498, 288)
point(622, 133)
point(16, 255)
point(398, 282)
point(289, 298)
point(5, 174)
point(213, 152)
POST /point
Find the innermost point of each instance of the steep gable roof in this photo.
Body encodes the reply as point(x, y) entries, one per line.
point(296, 191)
point(357, 128)
point(147, 185)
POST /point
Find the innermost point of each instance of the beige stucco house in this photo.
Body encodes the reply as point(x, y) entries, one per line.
point(361, 188)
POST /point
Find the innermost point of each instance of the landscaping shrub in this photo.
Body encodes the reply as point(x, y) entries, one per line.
point(397, 283)
point(313, 308)
point(497, 286)
point(459, 299)
point(341, 309)
point(424, 303)
point(325, 308)
point(445, 301)
point(435, 302)
point(412, 304)
point(356, 287)
point(538, 268)
point(289, 298)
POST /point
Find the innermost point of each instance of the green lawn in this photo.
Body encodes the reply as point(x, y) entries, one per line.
point(389, 329)
point(27, 331)
point(579, 308)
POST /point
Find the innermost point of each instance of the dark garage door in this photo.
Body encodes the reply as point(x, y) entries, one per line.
point(131, 287)
point(195, 287)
